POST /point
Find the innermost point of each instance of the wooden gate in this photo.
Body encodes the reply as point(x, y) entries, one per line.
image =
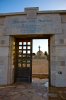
point(23, 64)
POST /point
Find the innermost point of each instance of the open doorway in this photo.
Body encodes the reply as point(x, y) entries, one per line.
point(27, 57)
point(40, 61)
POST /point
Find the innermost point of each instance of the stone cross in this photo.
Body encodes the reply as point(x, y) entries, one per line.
point(39, 48)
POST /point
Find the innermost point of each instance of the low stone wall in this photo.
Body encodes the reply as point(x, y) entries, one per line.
point(39, 67)
point(41, 76)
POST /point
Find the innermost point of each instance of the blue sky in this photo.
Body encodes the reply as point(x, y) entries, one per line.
point(19, 5)
point(7, 6)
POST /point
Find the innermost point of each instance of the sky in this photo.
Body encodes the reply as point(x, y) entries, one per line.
point(43, 43)
point(7, 6)
point(19, 5)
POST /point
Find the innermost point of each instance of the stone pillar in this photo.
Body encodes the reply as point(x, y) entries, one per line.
point(52, 62)
point(4, 56)
point(6, 60)
point(57, 60)
point(11, 60)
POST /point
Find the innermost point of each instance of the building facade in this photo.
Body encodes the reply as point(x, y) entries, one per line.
point(22, 27)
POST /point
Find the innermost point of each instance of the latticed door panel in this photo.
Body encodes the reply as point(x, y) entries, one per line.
point(24, 60)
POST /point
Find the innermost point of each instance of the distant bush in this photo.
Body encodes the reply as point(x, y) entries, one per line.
point(33, 54)
point(45, 53)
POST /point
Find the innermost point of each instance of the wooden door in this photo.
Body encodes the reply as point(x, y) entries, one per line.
point(23, 65)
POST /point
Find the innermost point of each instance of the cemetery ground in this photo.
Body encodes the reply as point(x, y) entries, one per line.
point(37, 90)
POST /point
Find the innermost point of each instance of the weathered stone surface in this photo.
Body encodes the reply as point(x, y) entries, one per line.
point(11, 61)
point(49, 24)
point(30, 22)
point(31, 12)
point(4, 41)
point(64, 27)
point(2, 21)
point(3, 70)
point(4, 51)
point(42, 24)
point(63, 18)
point(58, 40)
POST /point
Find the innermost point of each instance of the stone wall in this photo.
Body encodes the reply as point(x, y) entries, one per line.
point(40, 66)
point(42, 24)
point(4, 57)
point(33, 21)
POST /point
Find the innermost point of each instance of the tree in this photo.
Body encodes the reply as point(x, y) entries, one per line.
point(45, 53)
point(33, 54)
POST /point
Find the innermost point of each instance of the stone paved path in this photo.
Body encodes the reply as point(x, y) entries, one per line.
point(38, 90)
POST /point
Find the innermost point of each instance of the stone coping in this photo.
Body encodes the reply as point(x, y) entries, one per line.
point(38, 12)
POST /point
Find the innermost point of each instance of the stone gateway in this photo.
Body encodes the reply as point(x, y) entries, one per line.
point(16, 33)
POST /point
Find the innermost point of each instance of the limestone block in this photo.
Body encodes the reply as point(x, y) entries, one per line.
point(1, 30)
point(3, 70)
point(60, 78)
point(3, 77)
point(11, 62)
point(52, 51)
point(31, 8)
point(43, 24)
point(63, 18)
point(12, 23)
point(11, 74)
point(4, 41)
point(10, 71)
point(4, 51)
point(58, 71)
point(4, 60)
point(58, 40)
point(52, 71)
point(64, 38)
point(52, 41)
point(53, 78)
point(60, 63)
point(51, 23)
point(58, 75)
point(61, 59)
point(60, 82)
point(31, 14)
point(52, 67)
point(64, 27)
point(58, 51)
point(2, 21)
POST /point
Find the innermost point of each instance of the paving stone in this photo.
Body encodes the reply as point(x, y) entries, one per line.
point(32, 92)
